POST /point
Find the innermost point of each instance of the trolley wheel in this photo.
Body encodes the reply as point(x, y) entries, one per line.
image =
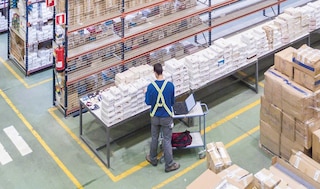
point(202, 154)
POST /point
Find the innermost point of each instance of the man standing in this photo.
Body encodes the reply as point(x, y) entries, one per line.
point(160, 95)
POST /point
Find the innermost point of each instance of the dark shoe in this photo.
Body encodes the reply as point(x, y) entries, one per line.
point(173, 167)
point(149, 160)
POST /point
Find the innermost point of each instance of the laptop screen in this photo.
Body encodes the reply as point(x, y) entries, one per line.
point(190, 102)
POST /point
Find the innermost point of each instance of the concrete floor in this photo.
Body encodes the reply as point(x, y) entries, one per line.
point(55, 157)
point(59, 159)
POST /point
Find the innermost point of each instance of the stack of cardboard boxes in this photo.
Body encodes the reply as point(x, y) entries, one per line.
point(300, 172)
point(289, 108)
point(221, 173)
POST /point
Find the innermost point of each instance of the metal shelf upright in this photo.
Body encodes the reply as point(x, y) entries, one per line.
point(29, 52)
point(93, 56)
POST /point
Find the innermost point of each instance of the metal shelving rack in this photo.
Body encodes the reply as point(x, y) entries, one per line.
point(3, 16)
point(94, 57)
point(30, 55)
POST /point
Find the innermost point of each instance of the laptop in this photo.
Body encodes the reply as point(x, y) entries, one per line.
point(184, 107)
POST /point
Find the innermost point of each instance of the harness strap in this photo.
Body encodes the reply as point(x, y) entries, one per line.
point(160, 99)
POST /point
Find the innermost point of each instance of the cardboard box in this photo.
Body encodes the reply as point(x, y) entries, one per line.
point(316, 145)
point(207, 180)
point(288, 126)
point(285, 178)
point(271, 114)
point(224, 154)
point(310, 82)
point(273, 86)
point(316, 104)
point(266, 179)
point(297, 101)
point(283, 61)
point(269, 138)
point(307, 60)
point(307, 158)
point(305, 166)
point(285, 147)
point(299, 176)
point(238, 175)
point(214, 160)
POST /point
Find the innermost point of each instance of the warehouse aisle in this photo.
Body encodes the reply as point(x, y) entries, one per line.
point(57, 158)
point(39, 148)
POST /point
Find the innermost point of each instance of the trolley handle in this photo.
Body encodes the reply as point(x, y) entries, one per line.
point(205, 108)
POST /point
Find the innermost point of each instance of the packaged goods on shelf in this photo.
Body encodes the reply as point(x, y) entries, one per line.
point(283, 28)
point(296, 17)
point(124, 77)
point(108, 100)
point(261, 40)
point(274, 35)
point(179, 75)
point(304, 17)
point(239, 53)
point(3, 23)
point(283, 61)
point(289, 21)
point(226, 47)
point(316, 6)
point(248, 38)
point(311, 12)
point(220, 61)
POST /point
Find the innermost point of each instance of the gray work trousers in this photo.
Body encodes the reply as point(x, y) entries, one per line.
point(161, 124)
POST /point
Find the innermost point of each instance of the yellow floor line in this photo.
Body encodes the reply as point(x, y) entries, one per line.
point(16, 75)
point(92, 155)
point(231, 116)
point(144, 163)
point(41, 141)
point(186, 170)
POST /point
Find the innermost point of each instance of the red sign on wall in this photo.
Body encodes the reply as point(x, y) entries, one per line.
point(50, 3)
point(61, 19)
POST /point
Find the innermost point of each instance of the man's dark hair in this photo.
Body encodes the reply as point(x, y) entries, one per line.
point(157, 68)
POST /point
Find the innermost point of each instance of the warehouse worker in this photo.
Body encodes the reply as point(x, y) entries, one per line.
point(160, 95)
